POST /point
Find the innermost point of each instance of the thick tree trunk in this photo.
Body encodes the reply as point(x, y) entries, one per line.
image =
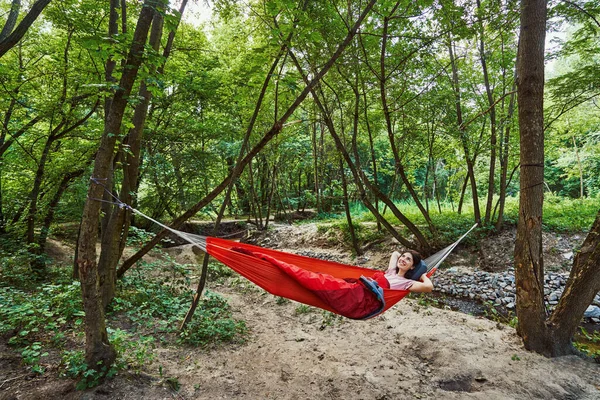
point(529, 267)
point(117, 228)
point(581, 288)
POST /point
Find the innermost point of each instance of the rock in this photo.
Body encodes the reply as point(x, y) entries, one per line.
point(592, 312)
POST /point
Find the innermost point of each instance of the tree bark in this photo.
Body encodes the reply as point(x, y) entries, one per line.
point(580, 290)
point(529, 267)
point(119, 220)
point(11, 21)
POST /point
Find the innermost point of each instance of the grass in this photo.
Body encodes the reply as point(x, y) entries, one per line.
point(559, 214)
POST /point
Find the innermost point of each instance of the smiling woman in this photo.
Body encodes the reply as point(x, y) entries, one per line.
point(404, 272)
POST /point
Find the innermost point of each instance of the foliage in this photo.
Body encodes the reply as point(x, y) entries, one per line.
point(38, 319)
point(213, 323)
point(133, 353)
point(303, 309)
point(155, 297)
point(569, 215)
point(588, 343)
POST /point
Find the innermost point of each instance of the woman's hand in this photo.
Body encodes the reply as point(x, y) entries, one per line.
point(424, 286)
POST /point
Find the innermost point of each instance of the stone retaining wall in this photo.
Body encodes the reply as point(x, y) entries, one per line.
point(499, 288)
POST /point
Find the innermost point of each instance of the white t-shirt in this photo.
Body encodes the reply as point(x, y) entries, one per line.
point(396, 281)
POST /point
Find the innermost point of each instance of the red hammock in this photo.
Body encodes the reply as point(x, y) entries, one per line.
point(270, 274)
point(303, 278)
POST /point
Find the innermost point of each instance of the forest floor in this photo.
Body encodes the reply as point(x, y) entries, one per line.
point(412, 351)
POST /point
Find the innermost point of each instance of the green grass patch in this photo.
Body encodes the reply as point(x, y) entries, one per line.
point(560, 214)
point(569, 215)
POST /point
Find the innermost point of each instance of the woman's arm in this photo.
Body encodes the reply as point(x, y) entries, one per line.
point(421, 287)
point(393, 261)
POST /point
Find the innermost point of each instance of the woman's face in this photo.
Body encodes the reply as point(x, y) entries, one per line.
point(405, 262)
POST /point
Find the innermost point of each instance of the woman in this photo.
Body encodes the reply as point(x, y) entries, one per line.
point(400, 264)
point(351, 297)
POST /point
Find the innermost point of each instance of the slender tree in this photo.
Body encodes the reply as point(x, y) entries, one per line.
point(9, 37)
point(100, 354)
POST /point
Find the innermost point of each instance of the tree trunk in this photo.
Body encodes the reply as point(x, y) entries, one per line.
point(99, 353)
point(372, 150)
point(390, 128)
point(49, 218)
point(316, 156)
point(11, 21)
point(353, 239)
point(581, 288)
point(117, 228)
point(463, 137)
point(579, 167)
point(504, 159)
point(529, 267)
point(493, 138)
point(11, 40)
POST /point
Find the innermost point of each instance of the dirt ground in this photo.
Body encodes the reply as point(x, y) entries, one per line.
point(411, 351)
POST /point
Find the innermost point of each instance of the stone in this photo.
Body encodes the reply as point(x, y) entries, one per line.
point(568, 256)
point(592, 312)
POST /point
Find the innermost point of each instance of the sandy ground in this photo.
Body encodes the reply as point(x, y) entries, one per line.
point(411, 351)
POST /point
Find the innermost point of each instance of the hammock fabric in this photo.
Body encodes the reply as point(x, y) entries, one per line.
point(347, 290)
point(325, 284)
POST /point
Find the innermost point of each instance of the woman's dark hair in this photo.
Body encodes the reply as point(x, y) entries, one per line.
point(416, 258)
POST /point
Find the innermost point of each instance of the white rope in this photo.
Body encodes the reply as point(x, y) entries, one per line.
point(198, 240)
point(435, 260)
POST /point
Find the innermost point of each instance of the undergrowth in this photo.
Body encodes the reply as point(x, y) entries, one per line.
point(44, 318)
